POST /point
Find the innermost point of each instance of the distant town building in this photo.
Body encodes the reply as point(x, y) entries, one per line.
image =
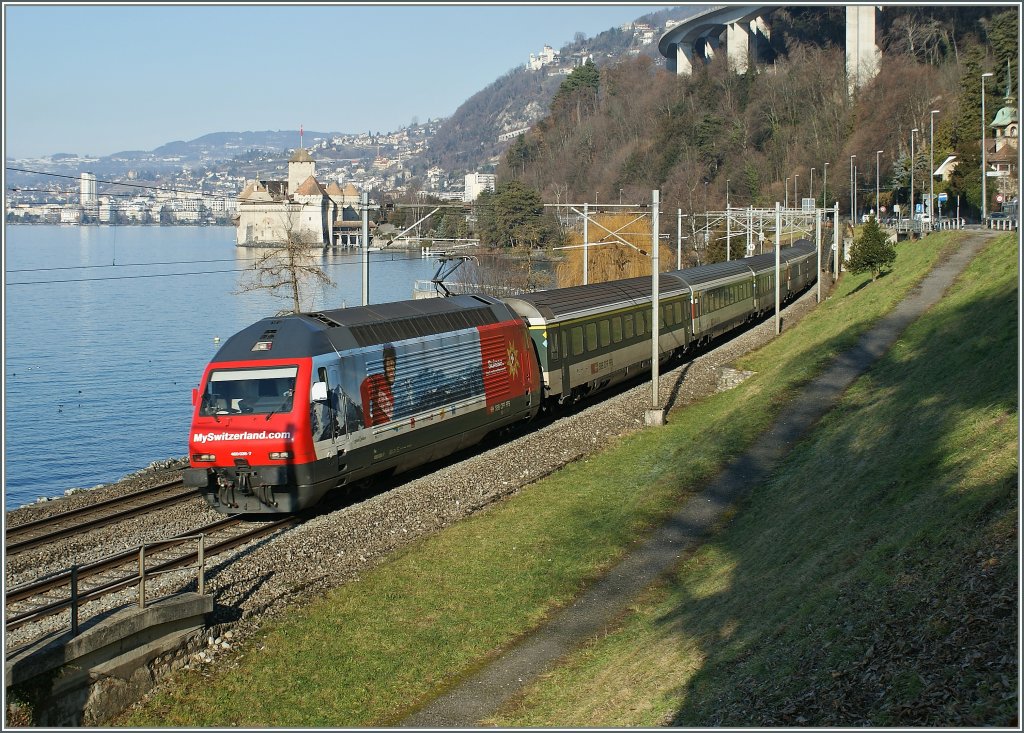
point(300, 209)
point(477, 183)
point(1005, 148)
point(511, 134)
point(1002, 151)
point(545, 57)
point(87, 183)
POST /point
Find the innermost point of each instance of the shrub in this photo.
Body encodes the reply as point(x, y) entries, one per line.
point(873, 251)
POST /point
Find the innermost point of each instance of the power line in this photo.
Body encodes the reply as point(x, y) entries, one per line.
point(164, 274)
point(131, 264)
point(112, 183)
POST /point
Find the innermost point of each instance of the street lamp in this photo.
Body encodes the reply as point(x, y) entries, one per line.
point(620, 197)
point(876, 183)
point(851, 190)
point(912, 166)
point(811, 194)
point(786, 204)
point(726, 194)
point(796, 195)
point(931, 169)
point(984, 173)
point(824, 188)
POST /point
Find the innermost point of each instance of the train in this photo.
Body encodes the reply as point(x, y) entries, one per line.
point(299, 405)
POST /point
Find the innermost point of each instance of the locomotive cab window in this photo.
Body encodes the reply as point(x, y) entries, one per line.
point(249, 391)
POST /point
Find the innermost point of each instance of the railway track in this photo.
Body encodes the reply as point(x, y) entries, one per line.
point(67, 599)
point(69, 523)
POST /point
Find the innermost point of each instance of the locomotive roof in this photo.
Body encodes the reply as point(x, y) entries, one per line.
point(578, 300)
point(307, 334)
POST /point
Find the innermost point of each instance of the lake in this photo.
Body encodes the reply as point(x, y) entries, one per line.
point(108, 329)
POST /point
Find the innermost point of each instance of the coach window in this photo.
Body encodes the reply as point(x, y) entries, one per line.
point(577, 340)
point(553, 344)
point(605, 331)
point(591, 330)
point(627, 323)
point(679, 311)
point(639, 324)
point(616, 329)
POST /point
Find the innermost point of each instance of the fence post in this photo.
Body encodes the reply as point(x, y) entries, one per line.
point(142, 577)
point(74, 600)
point(201, 579)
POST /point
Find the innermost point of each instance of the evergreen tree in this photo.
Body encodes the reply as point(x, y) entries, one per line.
point(514, 216)
point(873, 251)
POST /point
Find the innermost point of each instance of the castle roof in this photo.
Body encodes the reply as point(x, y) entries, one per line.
point(310, 187)
point(333, 189)
point(262, 191)
point(301, 155)
point(350, 190)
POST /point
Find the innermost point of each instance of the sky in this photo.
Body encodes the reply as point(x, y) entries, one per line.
point(97, 79)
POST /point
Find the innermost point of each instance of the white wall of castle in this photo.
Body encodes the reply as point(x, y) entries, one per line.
point(273, 222)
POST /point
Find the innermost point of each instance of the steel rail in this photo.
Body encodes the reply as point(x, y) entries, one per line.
point(80, 524)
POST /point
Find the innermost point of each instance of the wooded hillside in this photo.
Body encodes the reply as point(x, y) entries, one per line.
point(636, 127)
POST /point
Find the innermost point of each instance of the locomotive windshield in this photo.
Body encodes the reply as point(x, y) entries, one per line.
point(249, 391)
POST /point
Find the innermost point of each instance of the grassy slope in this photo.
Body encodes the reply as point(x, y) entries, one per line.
point(367, 652)
point(873, 582)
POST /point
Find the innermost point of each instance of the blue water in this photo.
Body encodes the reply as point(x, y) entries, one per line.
point(102, 346)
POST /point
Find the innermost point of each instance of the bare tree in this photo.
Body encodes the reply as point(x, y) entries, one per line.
point(287, 270)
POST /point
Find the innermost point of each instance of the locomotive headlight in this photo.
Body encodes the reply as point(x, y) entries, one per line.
point(280, 455)
point(203, 457)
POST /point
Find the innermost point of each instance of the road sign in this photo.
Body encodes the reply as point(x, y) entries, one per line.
point(882, 209)
point(943, 198)
point(999, 198)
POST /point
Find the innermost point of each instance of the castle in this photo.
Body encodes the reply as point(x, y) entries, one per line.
point(300, 210)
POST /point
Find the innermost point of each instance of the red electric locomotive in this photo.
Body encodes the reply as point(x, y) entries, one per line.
point(297, 405)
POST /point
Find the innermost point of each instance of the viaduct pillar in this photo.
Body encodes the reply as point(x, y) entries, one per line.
point(862, 54)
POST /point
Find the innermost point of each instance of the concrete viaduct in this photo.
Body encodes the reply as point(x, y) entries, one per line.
point(699, 38)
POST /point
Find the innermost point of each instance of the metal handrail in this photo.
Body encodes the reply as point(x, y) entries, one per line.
point(76, 599)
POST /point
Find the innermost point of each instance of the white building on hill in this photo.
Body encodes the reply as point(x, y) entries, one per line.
point(477, 183)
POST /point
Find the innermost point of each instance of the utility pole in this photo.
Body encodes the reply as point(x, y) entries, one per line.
point(851, 190)
point(656, 415)
point(365, 206)
point(931, 169)
point(912, 166)
point(984, 173)
point(586, 241)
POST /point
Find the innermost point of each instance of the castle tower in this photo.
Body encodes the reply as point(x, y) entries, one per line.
point(300, 167)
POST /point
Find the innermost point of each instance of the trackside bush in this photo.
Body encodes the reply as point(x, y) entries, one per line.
point(873, 251)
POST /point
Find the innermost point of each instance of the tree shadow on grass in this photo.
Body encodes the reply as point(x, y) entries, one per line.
point(862, 588)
